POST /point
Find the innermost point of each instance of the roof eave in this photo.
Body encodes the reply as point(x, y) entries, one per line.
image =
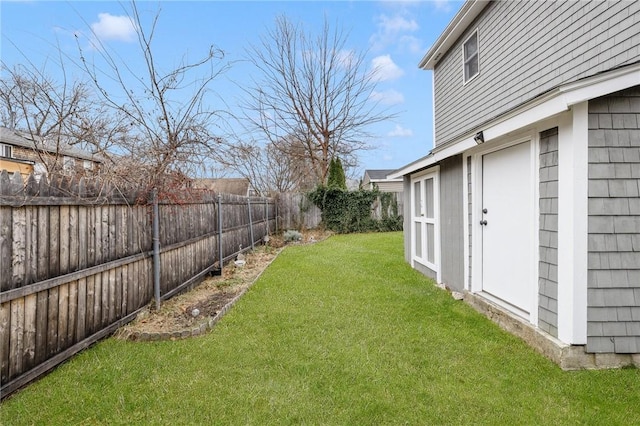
point(465, 16)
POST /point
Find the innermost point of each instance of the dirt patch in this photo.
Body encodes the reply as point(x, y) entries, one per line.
point(196, 310)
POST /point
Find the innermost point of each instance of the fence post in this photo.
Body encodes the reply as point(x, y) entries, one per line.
point(220, 254)
point(250, 221)
point(156, 249)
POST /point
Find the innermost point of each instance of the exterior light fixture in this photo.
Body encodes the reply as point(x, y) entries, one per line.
point(479, 137)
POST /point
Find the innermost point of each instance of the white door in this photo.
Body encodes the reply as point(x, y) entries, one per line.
point(507, 221)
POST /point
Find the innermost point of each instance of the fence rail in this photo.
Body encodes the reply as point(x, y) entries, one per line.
point(77, 261)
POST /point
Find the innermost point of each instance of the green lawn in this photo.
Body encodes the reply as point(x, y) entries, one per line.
point(341, 332)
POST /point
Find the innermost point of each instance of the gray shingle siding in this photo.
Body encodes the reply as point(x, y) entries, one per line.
point(451, 220)
point(548, 233)
point(529, 48)
point(613, 313)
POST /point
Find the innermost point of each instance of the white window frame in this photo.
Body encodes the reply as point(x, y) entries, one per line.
point(4, 149)
point(423, 259)
point(87, 164)
point(466, 79)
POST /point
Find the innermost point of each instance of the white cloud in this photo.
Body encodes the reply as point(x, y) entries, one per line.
point(396, 24)
point(442, 5)
point(385, 69)
point(388, 97)
point(391, 29)
point(400, 132)
point(111, 27)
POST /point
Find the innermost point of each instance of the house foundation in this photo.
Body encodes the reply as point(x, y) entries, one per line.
point(568, 357)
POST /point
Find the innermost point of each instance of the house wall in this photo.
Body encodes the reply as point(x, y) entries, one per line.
point(388, 186)
point(451, 223)
point(569, 41)
point(613, 313)
point(53, 162)
point(548, 233)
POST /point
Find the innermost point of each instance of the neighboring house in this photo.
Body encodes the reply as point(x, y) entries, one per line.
point(236, 186)
point(20, 153)
point(379, 179)
point(529, 202)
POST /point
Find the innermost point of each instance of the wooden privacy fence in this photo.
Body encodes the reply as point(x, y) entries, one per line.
point(77, 261)
point(296, 211)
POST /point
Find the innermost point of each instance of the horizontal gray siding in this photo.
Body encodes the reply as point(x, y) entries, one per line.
point(451, 223)
point(548, 230)
point(613, 313)
point(527, 49)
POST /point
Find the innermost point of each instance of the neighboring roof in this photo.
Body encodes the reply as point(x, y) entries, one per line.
point(465, 16)
point(237, 186)
point(16, 138)
point(377, 175)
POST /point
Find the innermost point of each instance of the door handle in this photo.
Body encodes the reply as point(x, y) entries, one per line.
point(483, 222)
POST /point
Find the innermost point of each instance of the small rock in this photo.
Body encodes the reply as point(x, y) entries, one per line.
point(457, 295)
point(195, 312)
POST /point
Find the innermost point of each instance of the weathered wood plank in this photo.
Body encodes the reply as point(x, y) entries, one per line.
point(97, 303)
point(113, 300)
point(42, 310)
point(72, 316)
point(5, 333)
point(16, 343)
point(104, 234)
point(63, 317)
point(31, 261)
point(43, 244)
point(83, 233)
point(52, 322)
point(90, 305)
point(30, 326)
point(82, 310)
point(64, 239)
point(91, 236)
point(104, 310)
point(74, 236)
point(18, 249)
point(54, 241)
point(6, 243)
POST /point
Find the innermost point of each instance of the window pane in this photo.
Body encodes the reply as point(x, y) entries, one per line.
point(471, 57)
point(471, 47)
point(417, 200)
point(431, 243)
point(471, 68)
point(428, 197)
point(418, 239)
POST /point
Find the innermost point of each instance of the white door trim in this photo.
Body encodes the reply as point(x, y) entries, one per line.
point(432, 173)
point(476, 285)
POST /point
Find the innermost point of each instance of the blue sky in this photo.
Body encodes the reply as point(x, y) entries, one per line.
point(396, 35)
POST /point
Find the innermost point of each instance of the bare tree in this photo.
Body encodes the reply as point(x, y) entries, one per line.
point(55, 115)
point(269, 169)
point(314, 89)
point(167, 110)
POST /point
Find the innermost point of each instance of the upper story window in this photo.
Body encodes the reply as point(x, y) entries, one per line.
point(68, 163)
point(87, 165)
point(6, 150)
point(471, 62)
